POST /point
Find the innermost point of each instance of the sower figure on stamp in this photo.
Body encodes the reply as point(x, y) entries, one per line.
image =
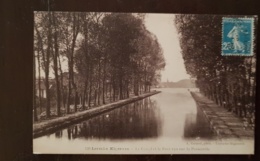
point(235, 33)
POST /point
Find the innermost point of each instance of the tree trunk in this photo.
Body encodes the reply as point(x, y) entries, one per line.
point(98, 83)
point(84, 95)
point(120, 89)
point(61, 84)
point(90, 86)
point(114, 89)
point(69, 88)
point(76, 101)
point(127, 90)
point(136, 84)
point(75, 31)
point(47, 67)
point(34, 88)
point(55, 63)
point(46, 62)
point(104, 81)
point(110, 90)
point(95, 97)
point(74, 38)
point(39, 79)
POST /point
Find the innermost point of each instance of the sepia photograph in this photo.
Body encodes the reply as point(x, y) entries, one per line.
point(143, 83)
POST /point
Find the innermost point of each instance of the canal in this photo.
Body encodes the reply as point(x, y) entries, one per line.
point(168, 118)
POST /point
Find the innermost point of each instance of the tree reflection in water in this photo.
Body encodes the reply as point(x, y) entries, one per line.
point(58, 134)
point(138, 120)
point(196, 126)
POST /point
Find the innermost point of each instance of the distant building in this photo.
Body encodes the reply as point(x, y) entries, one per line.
point(41, 90)
point(185, 83)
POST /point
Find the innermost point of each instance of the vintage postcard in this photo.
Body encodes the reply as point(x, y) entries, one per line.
point(143, 83)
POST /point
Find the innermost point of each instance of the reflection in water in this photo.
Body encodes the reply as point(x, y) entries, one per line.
point(138, 120)
point(58, 134)
point(170, 117)
point(197, 127)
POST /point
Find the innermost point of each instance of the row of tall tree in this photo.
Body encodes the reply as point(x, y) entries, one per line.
point(228, 80)
point(108, 56)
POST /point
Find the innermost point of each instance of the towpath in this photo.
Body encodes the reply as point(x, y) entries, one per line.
point(224, 123)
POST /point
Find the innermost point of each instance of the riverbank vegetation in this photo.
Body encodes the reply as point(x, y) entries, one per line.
point(228, 80)
point(95, 58)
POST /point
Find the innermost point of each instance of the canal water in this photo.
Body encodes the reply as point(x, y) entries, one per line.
point(165, 119)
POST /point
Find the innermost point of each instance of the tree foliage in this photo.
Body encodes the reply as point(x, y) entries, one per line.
point(228, 80)
point(109, 56)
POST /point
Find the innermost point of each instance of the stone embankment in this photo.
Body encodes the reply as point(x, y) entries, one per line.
point(224, 123)
point(48, 126)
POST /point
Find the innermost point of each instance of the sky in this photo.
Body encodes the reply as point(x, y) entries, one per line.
point(163, 27)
